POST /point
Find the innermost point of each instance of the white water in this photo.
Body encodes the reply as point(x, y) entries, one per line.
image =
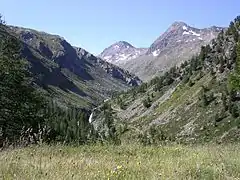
point(90, 118)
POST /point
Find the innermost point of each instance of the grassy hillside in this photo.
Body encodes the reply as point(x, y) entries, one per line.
point(122, 162)
point(197, 102)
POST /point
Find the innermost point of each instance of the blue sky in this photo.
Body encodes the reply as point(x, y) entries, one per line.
point(96, 24)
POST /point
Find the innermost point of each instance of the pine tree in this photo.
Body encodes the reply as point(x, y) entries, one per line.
point(221, 66)
point(237, 22)
point(21, 106)
point(2, 22)
point(147, 102)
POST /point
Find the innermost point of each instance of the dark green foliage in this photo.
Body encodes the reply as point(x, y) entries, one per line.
point(21, 105)
point(154, 81)
point(219, 48)
point(206, 96)
point(234, 78)
point(234, 110)
point(233, 29)
point(121, 103)
point(220, 116)
point(185, 79)
point(2, 22)
point(167, 79)
point(112, 135)
point(191, 83)
point(147, 102)
point(224, 101)
point(233, 96)
point(67, 125)
point(25, 114)
point(234, 54)
point(237, 22)
point(204, 99)
point(220, 37)
point(134, 93)
point(159, 84)
point(183, 65)
point(174, 72)
point(212, 71)
point(142, 88)
point(222, 63)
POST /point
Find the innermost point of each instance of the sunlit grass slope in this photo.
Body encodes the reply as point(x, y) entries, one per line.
point(122, 162)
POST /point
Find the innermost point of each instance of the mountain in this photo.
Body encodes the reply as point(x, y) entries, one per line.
point(197, 102)
point(177, 44)
point(70, 74)
point(121, 52)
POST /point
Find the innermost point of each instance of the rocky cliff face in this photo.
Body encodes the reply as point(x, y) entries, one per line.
point(63, 68)
point(112, 70)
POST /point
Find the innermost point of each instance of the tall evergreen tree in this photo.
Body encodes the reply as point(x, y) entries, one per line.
point(21, 105)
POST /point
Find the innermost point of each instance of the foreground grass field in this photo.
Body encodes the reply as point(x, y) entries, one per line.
point(121, 162)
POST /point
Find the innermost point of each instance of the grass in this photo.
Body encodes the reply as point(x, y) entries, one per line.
point(122, 162)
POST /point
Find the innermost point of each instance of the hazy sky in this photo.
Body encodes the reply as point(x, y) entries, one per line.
point(96, 24)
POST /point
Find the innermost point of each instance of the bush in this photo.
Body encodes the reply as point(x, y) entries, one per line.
point(147, 103)
point(191, 83)
point(234, 110)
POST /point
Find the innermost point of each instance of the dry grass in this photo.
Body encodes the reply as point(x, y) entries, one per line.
point(121, 162)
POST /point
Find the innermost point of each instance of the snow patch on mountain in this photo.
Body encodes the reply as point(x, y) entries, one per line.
point(194, 33)
point(155, 53)
point(186, 32)
point(185, 28)
point(191, 32)
point(121, 52)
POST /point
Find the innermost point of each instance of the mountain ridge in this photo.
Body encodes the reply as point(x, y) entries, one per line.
point(178, 43)
point(67, 71)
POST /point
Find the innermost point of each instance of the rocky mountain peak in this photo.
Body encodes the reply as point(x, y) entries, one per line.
point(122, 44)
point(181, 34)
point(120, 52)
point(177, 44)
point(178, 24)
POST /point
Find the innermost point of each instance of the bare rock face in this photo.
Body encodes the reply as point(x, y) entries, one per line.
point(179, 43)
point(56, 63)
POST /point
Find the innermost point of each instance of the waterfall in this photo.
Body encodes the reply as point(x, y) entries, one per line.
point(90, 118)
point(106, 100)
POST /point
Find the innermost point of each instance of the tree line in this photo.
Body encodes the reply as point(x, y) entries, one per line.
point(26, 114)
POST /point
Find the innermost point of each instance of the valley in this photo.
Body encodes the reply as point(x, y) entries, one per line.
point(171, 110)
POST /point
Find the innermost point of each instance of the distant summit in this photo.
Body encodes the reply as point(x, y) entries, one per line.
point(177, 44)
point(121, 52)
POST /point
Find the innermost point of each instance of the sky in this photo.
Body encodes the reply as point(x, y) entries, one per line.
point(96, 24)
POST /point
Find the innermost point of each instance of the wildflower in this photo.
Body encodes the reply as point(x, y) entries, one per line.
point(119, 167)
